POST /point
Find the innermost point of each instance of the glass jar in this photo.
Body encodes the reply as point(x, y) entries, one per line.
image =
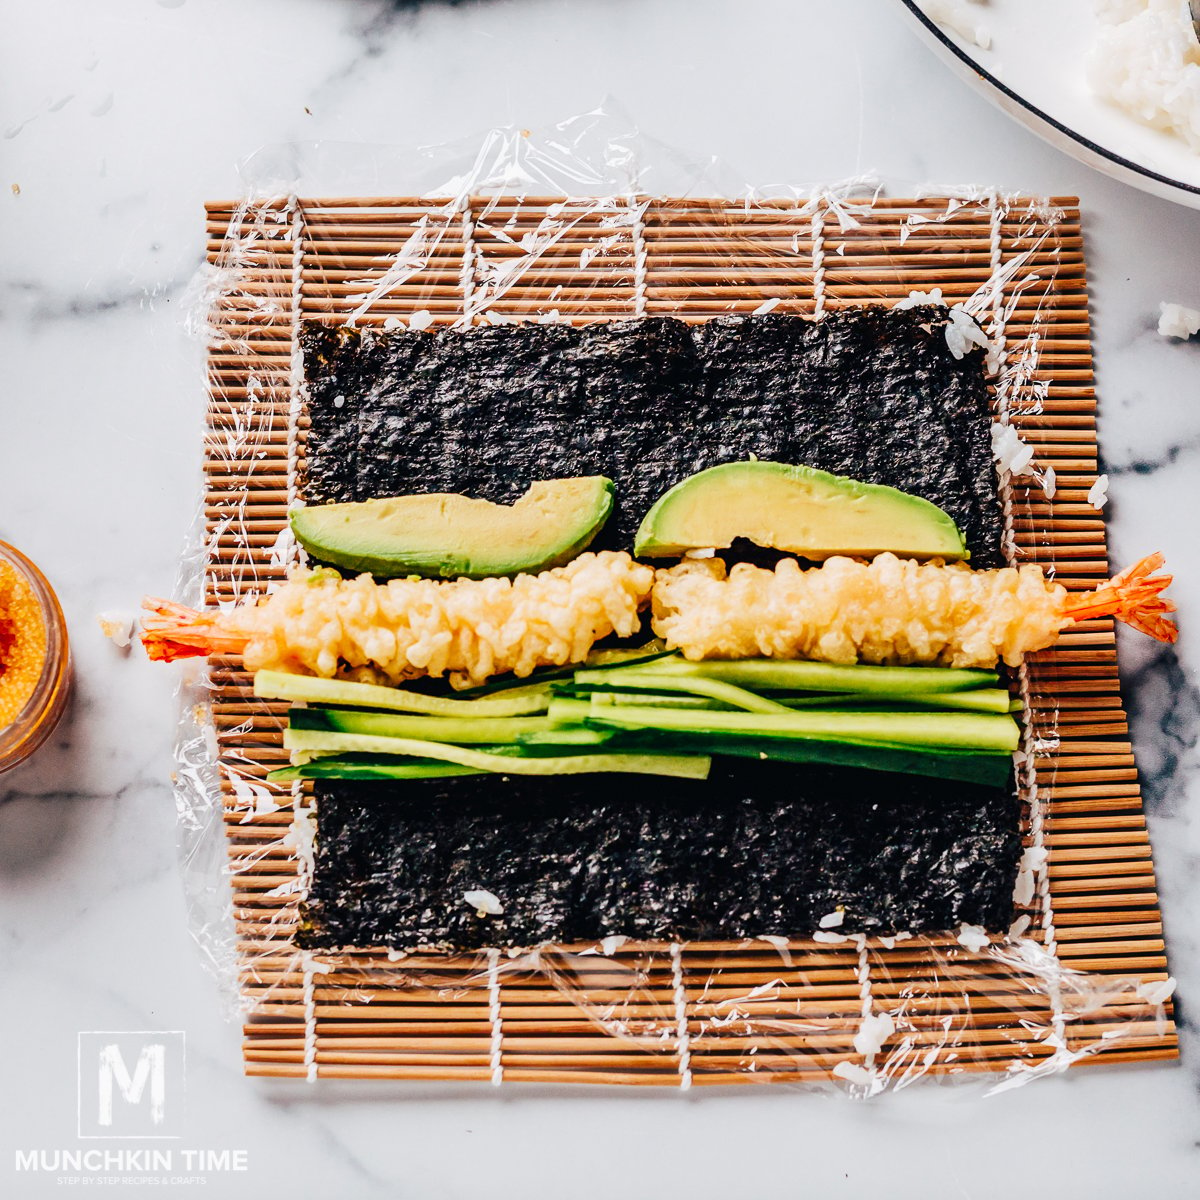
point(35, 658)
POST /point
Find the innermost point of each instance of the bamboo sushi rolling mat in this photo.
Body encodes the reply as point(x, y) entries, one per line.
point(723, 1013)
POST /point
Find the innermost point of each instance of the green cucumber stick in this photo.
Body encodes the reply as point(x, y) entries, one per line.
point(967, 731)
point(786, 675)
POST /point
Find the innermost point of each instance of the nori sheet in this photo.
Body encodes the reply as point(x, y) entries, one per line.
point(760, 848)
point(872, 393)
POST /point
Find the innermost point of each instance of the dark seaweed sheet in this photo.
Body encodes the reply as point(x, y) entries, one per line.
point(760, 848)
point(870, 392)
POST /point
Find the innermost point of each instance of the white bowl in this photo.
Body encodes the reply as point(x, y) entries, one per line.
point(1034, 71)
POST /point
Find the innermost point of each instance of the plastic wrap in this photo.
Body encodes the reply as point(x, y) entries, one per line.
point(564, 226)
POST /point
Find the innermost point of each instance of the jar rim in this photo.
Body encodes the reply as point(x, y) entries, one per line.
point(39, 714)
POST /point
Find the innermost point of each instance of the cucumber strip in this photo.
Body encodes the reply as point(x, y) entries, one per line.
point(679, 766)
point(542, 743)
point(281, 685)
point(785, 675)
point(627, 656)
point(564, 711)
point(989, 700)
point(992, 768)
point(615, 656)
point(965, 731)
point(648, 698)
point(366, 766)
point(661, 681)
point(983, 700)
point(664, 741)
point(431, 729)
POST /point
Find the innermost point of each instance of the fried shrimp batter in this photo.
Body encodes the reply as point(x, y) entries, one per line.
point(889, 610)
point(321, 624)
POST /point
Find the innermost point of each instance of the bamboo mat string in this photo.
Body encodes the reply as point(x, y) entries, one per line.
point(296, 368)
point(1023, 758)
point(682, 1039)
point(303, 834)
point(494, 1017)
point(467, 273)
point(865, 995)
point(638, 208)
point(998, 353)
point(310, 1017)
point(1027, 777)
point(1002, 394)
point(302, 828)
point(1026, 761)
point(1037, 831)
point(818, 256)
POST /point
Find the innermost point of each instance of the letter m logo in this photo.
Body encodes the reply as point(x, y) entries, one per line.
point(113, 1074)
point(131, 1084)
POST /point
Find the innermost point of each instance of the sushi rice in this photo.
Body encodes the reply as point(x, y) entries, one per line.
point(1146, 60)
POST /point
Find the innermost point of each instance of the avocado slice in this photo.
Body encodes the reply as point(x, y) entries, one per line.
point(443, 535)
point(798, 509)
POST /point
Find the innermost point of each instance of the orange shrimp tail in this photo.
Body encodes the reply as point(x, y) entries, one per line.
point(1133, 597)
point(171, 631)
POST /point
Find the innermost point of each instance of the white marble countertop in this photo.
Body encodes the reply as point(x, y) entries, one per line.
point(120, 119)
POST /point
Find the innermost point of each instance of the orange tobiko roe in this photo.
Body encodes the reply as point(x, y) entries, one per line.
point(22, 643)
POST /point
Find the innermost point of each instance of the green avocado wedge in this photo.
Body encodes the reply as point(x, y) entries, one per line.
point(447, 536)
point(796, 509)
